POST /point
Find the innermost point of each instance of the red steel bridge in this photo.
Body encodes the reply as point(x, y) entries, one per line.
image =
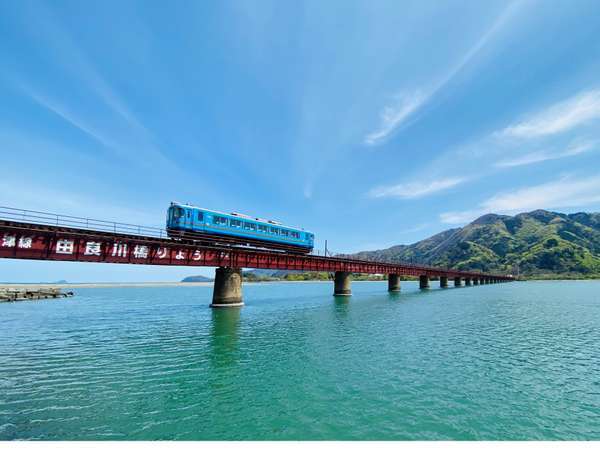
point(38, 235)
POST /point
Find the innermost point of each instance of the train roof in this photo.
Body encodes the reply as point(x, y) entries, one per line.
point(242, 216)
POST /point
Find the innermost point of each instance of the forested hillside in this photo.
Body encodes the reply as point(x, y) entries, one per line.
point(535, 243)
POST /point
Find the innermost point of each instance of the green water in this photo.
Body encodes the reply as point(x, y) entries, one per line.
point(508, 361)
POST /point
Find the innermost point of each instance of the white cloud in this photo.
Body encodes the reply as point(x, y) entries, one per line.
point(42, 197)
point(558, 118)
point(67, 115)
point(460, 217)
point(529, 158)
point(308, 190)
point(393, 115)
point(405, 105)
point(566, 192)
point(416, 189)
point(126, 137)
point(535, 157)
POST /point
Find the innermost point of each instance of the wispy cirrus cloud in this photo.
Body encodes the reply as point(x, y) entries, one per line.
point(394, 114)
point(66, 114)
point(119, 130)
point(558, 118)
point(416, 189)
point(564, 129)
point(540, 156)
point(405, 105)
point(566, 192)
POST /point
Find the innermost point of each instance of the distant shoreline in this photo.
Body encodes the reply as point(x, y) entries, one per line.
point(151, 284)
point(106, 285)
point(148, 284)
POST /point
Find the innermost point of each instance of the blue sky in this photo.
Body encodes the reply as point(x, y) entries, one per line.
point(371, 123)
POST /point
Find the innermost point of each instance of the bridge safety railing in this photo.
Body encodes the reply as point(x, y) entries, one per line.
point(61, 220)
point(473, 272)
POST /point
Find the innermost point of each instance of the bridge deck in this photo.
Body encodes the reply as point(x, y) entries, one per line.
point(26, 240)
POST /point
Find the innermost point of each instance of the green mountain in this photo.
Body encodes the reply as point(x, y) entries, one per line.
point(538, 243)
point(196, 279)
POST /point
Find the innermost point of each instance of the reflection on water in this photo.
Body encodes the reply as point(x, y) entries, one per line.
point(395, 294)
point(341, 302)
point(224, 336)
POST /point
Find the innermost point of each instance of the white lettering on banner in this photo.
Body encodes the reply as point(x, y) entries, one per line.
point(93, 248)
point(65, 246)
point(119, 249)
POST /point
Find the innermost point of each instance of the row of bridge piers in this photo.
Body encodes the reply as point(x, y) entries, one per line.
point(227, 290)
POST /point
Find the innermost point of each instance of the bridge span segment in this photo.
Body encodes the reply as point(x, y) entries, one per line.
point(27, 240)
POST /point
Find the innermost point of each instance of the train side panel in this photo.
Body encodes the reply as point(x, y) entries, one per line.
point(204, 221)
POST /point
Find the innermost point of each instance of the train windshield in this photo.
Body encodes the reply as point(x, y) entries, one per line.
point(177, 213)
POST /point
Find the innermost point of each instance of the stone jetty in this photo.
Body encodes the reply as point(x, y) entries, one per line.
point(31, 293)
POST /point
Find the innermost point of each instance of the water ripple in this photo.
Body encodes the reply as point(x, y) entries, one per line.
point(518, 361)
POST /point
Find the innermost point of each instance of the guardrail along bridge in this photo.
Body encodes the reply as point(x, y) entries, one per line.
point(43, 236)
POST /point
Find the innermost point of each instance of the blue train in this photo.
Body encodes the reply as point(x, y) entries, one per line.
point(185, 221)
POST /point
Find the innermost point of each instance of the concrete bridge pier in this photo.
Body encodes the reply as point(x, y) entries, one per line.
point(227, 290)
point(393, 282)
point(342, 284)
point(475, 281)
point(467, 282)
point(423, 282)
point(443, 282)
point(457, 282)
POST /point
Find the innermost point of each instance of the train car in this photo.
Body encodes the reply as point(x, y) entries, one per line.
point(185, 221)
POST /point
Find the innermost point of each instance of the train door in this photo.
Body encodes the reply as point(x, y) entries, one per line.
point(188, 219)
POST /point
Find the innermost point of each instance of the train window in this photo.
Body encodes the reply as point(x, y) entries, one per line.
point(177, 213)
point(249, 226)
point(200, 216)
point(235, 223)
point(189, 214)
point(284, 232)
point(295, 235)
point(274, 230)
point(218, 220)
point(262, 228)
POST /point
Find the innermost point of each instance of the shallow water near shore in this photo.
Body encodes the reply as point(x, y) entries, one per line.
point(505, 361)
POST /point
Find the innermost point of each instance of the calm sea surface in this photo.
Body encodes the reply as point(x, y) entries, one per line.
point(508, 361)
